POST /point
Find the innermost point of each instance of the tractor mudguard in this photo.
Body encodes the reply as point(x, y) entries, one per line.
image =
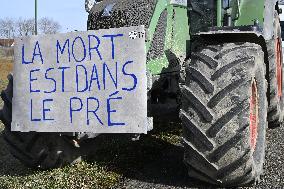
point(250, 33)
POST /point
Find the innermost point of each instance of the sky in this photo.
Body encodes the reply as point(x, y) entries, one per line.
point(70, 14)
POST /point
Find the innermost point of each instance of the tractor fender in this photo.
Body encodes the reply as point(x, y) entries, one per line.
point(252, 34)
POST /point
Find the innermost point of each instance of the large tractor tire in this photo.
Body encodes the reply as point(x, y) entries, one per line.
point(276, 100)
point(224, 112)
point(36, 150)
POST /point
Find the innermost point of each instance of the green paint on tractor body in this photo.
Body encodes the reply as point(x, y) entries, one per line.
point(249, 12)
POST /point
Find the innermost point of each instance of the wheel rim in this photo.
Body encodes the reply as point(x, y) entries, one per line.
point(279, 67)
point(253, 115)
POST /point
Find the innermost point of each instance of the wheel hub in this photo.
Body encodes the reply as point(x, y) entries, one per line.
point(253, 115)
point(279, 67)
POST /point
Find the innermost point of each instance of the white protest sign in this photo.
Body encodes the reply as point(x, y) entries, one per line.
point(92, 81)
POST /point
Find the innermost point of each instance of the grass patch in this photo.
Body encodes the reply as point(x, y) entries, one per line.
point(170, 132)
point(13, 174)
point(82, 175)
point(6, 67)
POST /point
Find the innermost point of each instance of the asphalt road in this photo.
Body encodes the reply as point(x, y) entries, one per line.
point(274, 168)
point(168, 171)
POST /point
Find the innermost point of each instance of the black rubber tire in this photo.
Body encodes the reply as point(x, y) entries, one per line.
point(216, 114)
point(36, 150)
point(276, 104)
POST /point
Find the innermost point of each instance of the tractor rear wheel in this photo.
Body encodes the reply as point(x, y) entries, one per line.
point(36, 150)
point(276, 100)
point(224, 111)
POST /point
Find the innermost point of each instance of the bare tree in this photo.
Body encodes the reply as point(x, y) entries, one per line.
point(25, 27)
point(7, 28)
point(10, 28)
point(48, 26)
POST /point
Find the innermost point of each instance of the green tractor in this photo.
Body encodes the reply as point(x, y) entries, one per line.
point(216, 65)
